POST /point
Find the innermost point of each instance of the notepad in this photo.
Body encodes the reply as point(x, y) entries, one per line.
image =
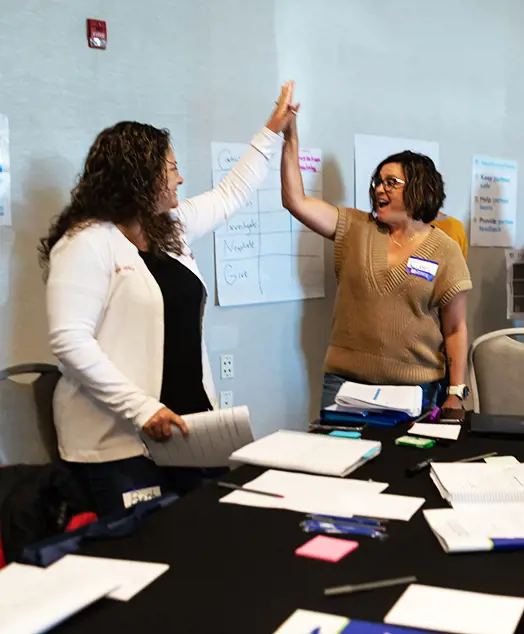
point(436, 430)
point(213, 436)
point(478, 483)
point(471, 527)
point(312, 453)
point(456, 611)
point(129, 577)
point(326, 548)
point(36, 599)
point(399, 398)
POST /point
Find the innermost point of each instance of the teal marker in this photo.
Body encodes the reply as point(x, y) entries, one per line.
point(345, 434)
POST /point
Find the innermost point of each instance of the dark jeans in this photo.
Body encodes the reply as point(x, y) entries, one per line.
point(333, 383)
point(106, 482)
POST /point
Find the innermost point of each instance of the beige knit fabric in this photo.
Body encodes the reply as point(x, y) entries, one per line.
point(386, 326)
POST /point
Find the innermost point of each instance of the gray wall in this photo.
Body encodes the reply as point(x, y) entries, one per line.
point(448, 71)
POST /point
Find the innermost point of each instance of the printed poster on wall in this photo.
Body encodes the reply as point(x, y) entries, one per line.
point(493, 202)
point(5, 174)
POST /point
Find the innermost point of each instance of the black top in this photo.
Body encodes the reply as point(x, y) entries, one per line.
point(183, 293)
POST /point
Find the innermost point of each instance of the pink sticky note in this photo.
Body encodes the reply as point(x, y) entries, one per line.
point(326, 548)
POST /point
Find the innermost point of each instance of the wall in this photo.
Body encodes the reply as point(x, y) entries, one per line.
point(448, 71)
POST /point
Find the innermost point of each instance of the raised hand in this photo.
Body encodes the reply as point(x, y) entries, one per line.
point(285, 109)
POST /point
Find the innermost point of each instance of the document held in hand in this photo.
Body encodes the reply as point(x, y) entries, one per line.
point(213, 437)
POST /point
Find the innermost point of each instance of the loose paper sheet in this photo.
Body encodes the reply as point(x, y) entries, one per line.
point(5, 173)
point(446, 610)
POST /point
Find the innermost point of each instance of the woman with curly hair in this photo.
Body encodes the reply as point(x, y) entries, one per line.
point(402, 284)
point(125, 303)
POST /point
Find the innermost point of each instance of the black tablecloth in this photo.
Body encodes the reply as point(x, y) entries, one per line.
point(233, 569)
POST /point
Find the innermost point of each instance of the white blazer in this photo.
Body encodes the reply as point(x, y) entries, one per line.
point(106, 320)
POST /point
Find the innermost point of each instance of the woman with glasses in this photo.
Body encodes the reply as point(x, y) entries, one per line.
point(402, 283)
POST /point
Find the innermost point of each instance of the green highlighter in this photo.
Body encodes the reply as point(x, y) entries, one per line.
point(415, 441)
point(345, 434)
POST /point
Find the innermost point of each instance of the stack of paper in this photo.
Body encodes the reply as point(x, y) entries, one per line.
point(325, 496)
point(473, 527)
point(312, 453)
point(212, 437)
point(478, 483)
point(446, 610)
point(356, 397)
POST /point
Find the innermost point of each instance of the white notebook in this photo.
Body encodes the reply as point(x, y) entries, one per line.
point(478, 483)
point(312, 453)
point(472, 527)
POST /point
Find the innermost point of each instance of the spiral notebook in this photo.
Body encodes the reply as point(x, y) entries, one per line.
point(478, 483)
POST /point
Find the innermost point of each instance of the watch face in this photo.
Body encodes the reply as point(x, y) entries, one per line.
point(465, 393)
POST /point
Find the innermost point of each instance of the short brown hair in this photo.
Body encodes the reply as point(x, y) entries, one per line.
point(424, 191)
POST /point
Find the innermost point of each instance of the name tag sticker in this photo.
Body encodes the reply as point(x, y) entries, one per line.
point(422, 268)
point(140, 495)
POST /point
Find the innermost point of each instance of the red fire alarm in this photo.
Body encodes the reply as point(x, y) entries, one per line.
point(96, 33)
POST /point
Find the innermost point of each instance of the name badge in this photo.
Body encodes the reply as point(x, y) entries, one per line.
point(423, 268)
point(140, 495)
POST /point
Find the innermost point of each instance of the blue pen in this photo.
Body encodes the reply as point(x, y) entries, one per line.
point(353, 520)
point(333, 528)
point(376, 394)
point(316, 631)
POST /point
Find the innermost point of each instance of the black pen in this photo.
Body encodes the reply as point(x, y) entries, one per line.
point(237, 487)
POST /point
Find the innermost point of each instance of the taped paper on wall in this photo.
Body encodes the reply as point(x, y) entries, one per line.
point(262, 254)
point(493, 202)
point(5, 174)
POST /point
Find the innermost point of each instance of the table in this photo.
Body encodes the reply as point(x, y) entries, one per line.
point(233, 569)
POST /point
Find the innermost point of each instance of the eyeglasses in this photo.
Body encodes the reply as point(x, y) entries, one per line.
point(389, 183)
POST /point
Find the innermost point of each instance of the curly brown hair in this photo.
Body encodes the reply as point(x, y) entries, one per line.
point(424, 191)
point(123, 178)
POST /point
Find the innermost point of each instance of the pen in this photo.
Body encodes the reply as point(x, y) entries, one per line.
point(371, 585)
point(419, 467)
point(352, 520)
point(342, 528)
point(484, 455)
point(318, 427)
point(237, 487)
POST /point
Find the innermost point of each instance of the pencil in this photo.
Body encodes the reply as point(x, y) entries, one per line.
point(237, 487)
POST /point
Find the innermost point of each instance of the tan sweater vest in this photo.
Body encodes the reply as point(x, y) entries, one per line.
point(386, 324)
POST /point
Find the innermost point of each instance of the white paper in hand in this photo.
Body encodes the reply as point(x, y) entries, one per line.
point(213, 437)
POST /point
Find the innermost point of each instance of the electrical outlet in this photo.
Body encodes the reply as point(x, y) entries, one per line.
point(226, 366)
point(226, 399)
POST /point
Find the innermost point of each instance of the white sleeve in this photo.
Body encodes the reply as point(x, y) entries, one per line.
point(203, 213)
point(77, 291)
